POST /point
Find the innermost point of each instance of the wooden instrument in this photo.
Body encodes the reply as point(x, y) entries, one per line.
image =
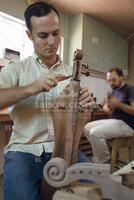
point(69, 117)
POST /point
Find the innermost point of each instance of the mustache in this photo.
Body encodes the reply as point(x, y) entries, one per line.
point(114, 86)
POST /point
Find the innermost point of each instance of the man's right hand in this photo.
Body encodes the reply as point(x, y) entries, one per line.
point(10, 96)
point(107, 109)
point(46, 82)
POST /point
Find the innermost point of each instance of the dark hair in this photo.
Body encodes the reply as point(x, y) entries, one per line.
point(38, 9)
point(119, 71)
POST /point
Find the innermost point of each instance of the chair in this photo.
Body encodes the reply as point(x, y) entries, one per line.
point(119, 143)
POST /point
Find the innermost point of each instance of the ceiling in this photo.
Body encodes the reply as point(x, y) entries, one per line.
point(118, 15)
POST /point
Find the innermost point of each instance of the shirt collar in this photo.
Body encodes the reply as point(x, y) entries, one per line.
point(121, 86)
point(35, 56)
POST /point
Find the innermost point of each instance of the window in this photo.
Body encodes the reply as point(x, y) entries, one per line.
point(13, 36)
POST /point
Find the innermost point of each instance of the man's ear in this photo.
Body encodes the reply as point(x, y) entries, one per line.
point(29, 34)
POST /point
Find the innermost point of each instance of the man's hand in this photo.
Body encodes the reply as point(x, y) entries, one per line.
point(46, 82)
point(113, 102)
point(85, 99)
point(107, 109)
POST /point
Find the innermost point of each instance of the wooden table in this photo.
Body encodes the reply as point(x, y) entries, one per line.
point(4, 116)
point(5, 132)
point(5, 125)
point(99, 115)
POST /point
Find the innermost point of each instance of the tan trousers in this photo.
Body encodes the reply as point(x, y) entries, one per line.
point(97, 132)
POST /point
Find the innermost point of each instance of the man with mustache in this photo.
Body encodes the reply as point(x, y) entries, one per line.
point(120, 106)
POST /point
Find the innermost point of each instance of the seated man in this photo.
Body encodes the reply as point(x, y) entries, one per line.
point(120, 106)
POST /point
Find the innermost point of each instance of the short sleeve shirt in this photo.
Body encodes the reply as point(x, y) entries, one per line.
point(126, 95)
point(33, 124)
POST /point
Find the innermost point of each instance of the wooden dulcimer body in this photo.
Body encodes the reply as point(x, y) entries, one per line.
point(69, 117)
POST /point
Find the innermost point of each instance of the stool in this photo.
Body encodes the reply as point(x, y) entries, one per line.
point(120, 143)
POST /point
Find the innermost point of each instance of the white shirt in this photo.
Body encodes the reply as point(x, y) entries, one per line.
point(33, 124)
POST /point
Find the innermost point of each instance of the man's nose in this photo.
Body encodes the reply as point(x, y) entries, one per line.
point(51, 40)
point(110, 82)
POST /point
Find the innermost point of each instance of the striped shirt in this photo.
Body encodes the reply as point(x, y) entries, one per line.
point(33, 130)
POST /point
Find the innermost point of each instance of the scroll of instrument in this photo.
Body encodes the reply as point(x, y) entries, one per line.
point(69, 117)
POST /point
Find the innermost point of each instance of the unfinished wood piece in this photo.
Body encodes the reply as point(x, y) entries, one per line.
point(111, 185)
point(69, 117)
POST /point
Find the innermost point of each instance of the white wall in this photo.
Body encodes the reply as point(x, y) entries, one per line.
point(103, 48)
point(130, 78)
point(97, 86)
point(13, 7)
point(75, 35)
point(64, 34)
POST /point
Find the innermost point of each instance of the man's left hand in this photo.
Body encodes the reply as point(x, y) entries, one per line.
point(85, 100)
point(113, 102)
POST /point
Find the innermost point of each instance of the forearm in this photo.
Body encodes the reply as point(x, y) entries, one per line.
point(10, 96)
point(126, 108)
point(107, 109)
